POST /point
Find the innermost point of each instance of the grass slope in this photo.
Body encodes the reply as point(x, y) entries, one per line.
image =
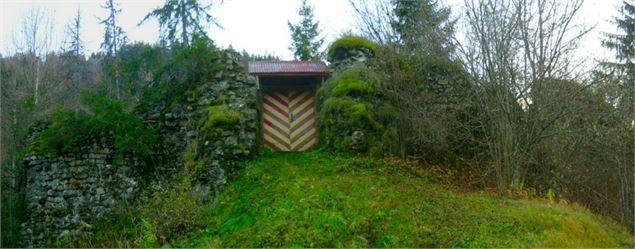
point(315, 199)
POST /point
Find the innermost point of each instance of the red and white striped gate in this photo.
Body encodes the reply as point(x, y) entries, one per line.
point(288, 120)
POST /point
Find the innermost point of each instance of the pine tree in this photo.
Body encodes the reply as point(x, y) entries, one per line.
point(74, 63)
point(186, 17)
point(114, 38)
point(423, 26)
point(306, 42)
point(624, 46)
point(75, 45)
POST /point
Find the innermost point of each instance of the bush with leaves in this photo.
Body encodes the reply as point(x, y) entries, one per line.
point(138, 63)
point(170, 213)
point(187, 68)
point(69, 130)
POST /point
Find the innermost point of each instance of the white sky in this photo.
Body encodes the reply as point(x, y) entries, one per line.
point(257, 26)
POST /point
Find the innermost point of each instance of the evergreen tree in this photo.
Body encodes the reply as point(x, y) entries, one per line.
point(75, 45)
point(306, 42)
point(624, 46)
point(423, 26)
point(74, 64)
point(186, 17)
point(114, 38)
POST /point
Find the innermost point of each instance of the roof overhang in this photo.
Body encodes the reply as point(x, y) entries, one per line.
point(287, 68)
point(288, 74)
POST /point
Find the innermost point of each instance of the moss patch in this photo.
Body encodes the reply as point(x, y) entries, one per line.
point(343, 47)
point(354, 112)
point(356, 87)
point(221, 115)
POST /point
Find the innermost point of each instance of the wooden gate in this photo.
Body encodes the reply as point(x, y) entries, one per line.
point(288, 120)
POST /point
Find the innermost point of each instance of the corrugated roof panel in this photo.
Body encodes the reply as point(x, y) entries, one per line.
point(287, 67)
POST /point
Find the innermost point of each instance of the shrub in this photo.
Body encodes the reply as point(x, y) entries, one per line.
point(171, 213)
point(187, 68)
point(436, 112)
point(120, 228)
point(348, 46)
point(12, 214)
point(64, 131)
point(68, 129)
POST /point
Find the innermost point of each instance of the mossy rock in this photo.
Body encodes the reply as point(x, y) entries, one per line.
point(347, 45)
point(354, 111)
point(221, 116)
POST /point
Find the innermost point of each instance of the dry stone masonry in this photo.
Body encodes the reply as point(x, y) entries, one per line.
point(217, 121)
point(65, 193)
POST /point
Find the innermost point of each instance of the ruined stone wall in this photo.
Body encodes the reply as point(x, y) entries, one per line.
point(66, 193)
point(185, 126)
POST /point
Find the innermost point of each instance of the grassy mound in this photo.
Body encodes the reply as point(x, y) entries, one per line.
point(316, 199)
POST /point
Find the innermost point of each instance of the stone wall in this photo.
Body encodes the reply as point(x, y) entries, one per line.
point(66, 193)
point(218, 148)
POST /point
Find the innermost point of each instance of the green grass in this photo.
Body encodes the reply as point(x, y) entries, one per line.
point(316, 199)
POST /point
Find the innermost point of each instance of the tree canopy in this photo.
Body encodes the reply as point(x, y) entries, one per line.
point(423, 26)
point(305, 35)
point(623, 44)
point(74, 43)
point(114, 36)
point(181, 20)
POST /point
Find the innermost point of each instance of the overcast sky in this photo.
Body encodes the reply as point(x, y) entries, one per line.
point(257, 26)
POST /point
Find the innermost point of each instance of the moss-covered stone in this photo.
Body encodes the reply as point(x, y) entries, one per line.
point(349, 45)
point(221, 115)
point(353, 111)
point(354, 87)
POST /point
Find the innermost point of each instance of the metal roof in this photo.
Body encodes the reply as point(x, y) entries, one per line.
point(287, 68)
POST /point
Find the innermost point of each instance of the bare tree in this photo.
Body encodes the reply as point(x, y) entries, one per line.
point(427, 87)
point(514, 46)
point(420, 27)
point(35, 40)
point(23, 76)
point(374, 20)
point(16, 114)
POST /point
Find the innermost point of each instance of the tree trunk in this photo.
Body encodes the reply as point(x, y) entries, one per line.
point(184, 23)
point(37, 80)
point(117, 80)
